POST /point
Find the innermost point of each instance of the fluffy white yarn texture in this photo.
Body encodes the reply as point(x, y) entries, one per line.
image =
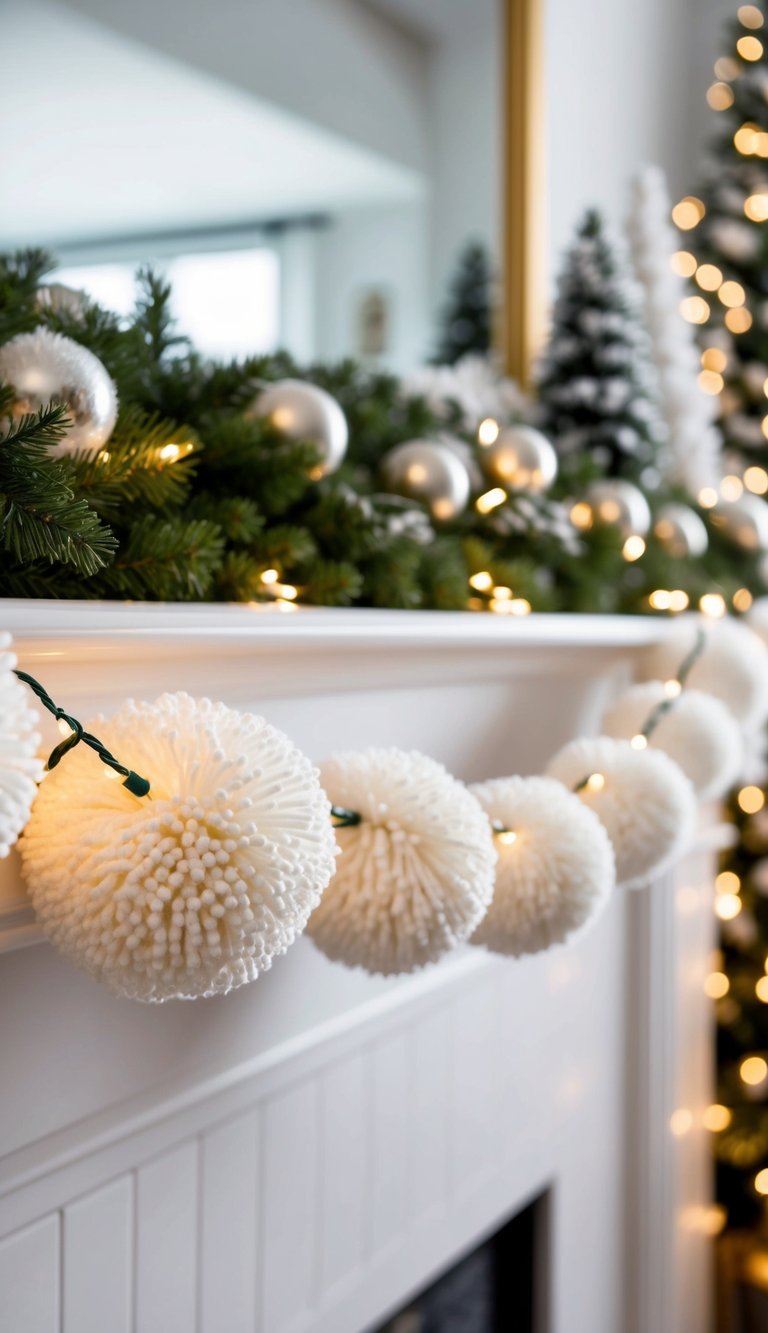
point(733, 665)
point(194, 889)
point(646, 803)
point(20, 769)
point(698, 732)
point(555, 877)
point(415, 877)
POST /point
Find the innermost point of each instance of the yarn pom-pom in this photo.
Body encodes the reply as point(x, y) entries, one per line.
point(698, 732)
point(733, 665)
point(194, 889)
point(415, 876)
point(555, 870)
point(20, 769)
point(645, 802)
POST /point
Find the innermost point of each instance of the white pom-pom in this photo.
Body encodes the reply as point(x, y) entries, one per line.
point(194, 889)
point(555, 870)
point(697, 731)
point(20, 769)
point(733, 665)
point(645, 802)
point(415, 875)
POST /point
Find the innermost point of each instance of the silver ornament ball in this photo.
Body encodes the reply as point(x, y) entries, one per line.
point(428, 471)
point(43, 368)
point(744, 521)
point(304, 411)
point(619, 504)
point(520, 458)
point(680, 531)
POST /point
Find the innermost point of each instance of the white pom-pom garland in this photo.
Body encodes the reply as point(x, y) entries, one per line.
point(194, 889)
point(644, 800)
point(733, 665)
point(555, 870)
point(415, 876)
point(697, 731)
point(20, 769)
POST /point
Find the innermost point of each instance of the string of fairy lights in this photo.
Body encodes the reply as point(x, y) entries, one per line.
point(720, 298)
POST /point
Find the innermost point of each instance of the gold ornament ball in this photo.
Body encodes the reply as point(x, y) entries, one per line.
point(44, 368)
point(680, 531)
point(428, 471)
point(619, 504)
point(521, 459)
point(743, 521)
point(303, 411)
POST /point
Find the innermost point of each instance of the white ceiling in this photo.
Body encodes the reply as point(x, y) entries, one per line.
point(431, 20)
point(102, 137)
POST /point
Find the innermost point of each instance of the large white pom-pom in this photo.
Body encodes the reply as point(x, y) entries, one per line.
point(20, 769)
point(733, 665)
point(698, 732)
point(415, 876)
point(555, 870)
point(645, 802)
point(194, 889)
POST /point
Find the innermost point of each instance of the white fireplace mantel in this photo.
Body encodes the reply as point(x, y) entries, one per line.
point(300, 1155)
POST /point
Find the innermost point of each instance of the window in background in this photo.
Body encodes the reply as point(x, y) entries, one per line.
point(226, 301)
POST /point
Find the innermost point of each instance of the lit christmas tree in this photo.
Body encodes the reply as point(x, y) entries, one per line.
point(725, 249)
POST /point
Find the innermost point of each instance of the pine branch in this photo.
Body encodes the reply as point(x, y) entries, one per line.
point(147, 462)
point(40, 516)
point(166, 560)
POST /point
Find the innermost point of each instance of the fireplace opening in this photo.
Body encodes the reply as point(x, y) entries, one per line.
point(498, 1287)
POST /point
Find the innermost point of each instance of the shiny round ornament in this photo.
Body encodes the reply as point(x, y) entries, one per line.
point(681, 532)
point(744, 521)
point(304, 411)
point(428, 471)
point(43, 368)
point(619, 504)
point(521, 459)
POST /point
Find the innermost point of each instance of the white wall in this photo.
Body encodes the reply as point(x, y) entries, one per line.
point(625, 86)
point(465, 132)
point(384, 249)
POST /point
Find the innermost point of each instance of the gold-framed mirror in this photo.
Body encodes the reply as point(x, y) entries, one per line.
point(341, 152)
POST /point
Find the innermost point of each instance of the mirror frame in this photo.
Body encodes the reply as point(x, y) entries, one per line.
point(523, 243)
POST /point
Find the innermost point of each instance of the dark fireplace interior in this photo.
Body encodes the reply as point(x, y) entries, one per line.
point(496, 1288)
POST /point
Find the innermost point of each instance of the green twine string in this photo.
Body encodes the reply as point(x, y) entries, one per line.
point(133, 781)
point(686, 666)
point(663, 707)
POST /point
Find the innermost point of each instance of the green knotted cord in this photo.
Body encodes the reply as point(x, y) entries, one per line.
point(133, 781)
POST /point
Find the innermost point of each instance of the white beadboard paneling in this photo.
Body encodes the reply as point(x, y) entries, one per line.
point(476, 1062)
point(166, 1244)
point(29, 1279)
point(430, 1142)
point(289, 1217)
point(392, 1101)
point(228, 1226)
point(345, 1168)
point(98, 1260)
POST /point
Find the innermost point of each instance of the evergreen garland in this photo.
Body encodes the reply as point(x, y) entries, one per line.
point(192, 499)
